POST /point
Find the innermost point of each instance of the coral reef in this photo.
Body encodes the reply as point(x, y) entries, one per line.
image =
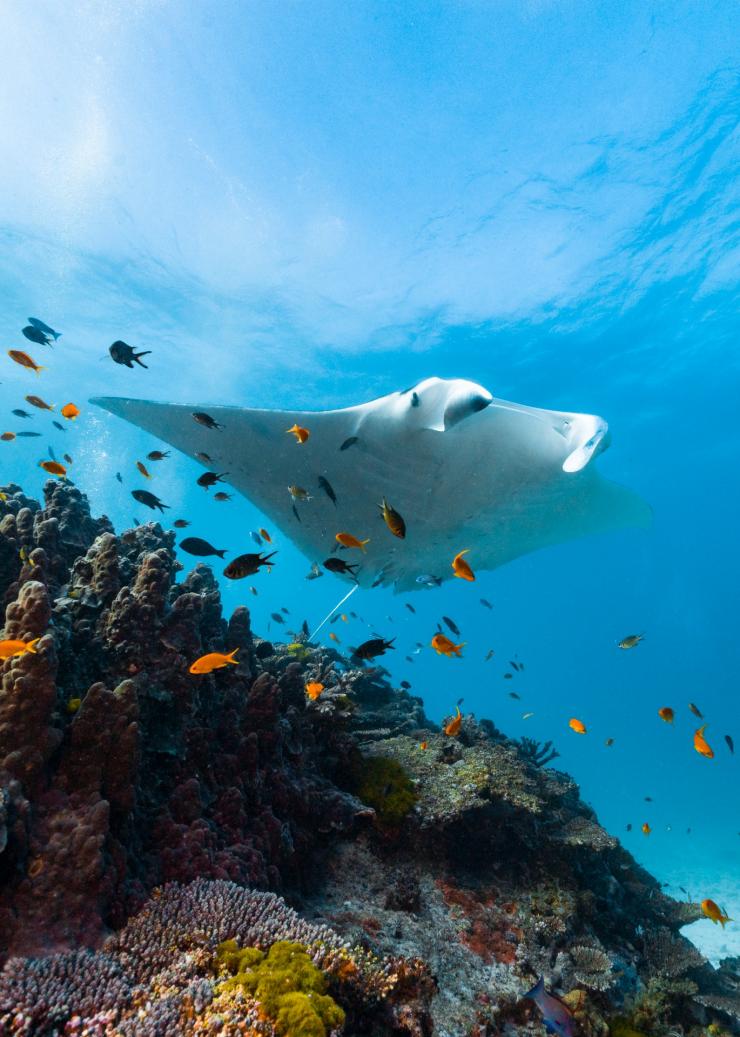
point(150, 816)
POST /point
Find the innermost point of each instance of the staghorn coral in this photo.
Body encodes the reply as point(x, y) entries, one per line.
point(669, 956)
point(538, 753)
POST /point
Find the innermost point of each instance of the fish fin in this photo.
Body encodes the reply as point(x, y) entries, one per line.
point(219, 553)
point(231, 655)
point(537, 989)
point(31, 646)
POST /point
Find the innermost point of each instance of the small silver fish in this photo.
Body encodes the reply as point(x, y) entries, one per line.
point(314, 572)
point(428, 580)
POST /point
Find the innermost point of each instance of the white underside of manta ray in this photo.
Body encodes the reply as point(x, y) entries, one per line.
point(464, 470)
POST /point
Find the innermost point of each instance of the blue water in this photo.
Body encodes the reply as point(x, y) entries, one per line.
point(311, 206)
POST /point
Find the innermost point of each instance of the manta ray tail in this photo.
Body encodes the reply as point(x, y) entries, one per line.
point(338, 605)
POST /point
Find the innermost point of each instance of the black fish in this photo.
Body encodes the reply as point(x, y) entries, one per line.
point(349, 442)
point(410, 607)
point(40, 326)
point(27, 435)
point(157, 455)
point(286, 611)
point(52, 455)
point(200, 548)
point(61, 427)
point(181, 523)
point(277, 617)
point(34, 335)
point(414, 399)
point(151, 501)
point(334, 618)
point(21, 413)
point(406, 685)
point(208, 479)
point(247, 565)
point(461, 700)
point(124, 354)
point(628, 828)
point(514, 665)
point(508, 676)
point(118, 476)
point(452, 625)
point(338, 565)
point(304, 627)
point(325, 485)
point(295, 512)
point(205, 419)
point(373, 648)
point(730, 744)
point(648, 799)
point(409, 659)
point(513, 695)
point(486, 603)
point(264, 649)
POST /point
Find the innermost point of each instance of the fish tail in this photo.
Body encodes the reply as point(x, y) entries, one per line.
point(56, 335)
point(363, 542)
point(221, 553)
point(31, 647)
point(230, 656)
point(137, 358)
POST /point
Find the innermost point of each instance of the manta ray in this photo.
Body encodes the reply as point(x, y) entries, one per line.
point(464, 470)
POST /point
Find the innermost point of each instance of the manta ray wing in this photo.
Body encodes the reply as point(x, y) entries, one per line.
point(463, 470)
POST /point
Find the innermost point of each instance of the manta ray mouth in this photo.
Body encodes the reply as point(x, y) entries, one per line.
point(596, 443)
point(464, 406)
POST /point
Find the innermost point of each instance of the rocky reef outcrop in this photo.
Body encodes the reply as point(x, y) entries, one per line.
point(147, 816)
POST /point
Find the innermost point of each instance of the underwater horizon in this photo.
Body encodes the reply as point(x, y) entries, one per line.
point(308, 207)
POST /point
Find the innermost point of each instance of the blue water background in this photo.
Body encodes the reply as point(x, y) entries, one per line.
point(314, 206)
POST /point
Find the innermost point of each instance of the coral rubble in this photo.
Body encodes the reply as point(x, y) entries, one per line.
point(149, 820)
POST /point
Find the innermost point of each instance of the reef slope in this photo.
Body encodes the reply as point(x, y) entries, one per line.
point(433, 886)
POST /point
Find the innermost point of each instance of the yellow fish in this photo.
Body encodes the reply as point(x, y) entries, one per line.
point(393, 520)
point(700, 743)
point(714, 913)
point(214, 661)
point(461, 568)
point(577, 725)
point(8, 649)
point(646, 829)
point(631, 642)
point(347, 540)
point(301, 434)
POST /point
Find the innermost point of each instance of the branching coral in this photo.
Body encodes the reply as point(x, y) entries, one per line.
point(592, 967)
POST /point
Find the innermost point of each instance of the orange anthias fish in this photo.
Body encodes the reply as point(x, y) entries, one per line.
point(453, 727)
point(70, 412)
point(701, 745)
point(577, 725)
point(265, 536)
point(24, 360)
point(423, 745)
point(461, 568)
point(301, 434)
point(314, 689)
point(53, 468)
point(714, 912)
point(142, 469)
point(666, 713)
point(11, 648)
point(214, 661)
point(334, 637)
point(443, 646)
point(7, 437)
point(347, 540)
point(646, 829)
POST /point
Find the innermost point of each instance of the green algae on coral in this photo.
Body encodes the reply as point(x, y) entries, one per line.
point(291, 990)
point(384, 784)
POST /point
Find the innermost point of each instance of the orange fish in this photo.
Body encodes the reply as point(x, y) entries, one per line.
point(646, 829)
point(53, 467)
point(24, 360)
point(701, 745)
point(344, 618)
point(214, 661)
point(453, 727)
point(347, 540)
point(36, 401)
point(7, 437)
point(11, 648)
point(301, 434)
point(393, 520)
point(714, 912)
point(577, 725)
point(334, 637)
point(666, 713)
point(70, 412)
point(443, 646)
point(461, 568)
point(143, 470)
point(265, 536)
point(423, 745)
point(314, 689)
